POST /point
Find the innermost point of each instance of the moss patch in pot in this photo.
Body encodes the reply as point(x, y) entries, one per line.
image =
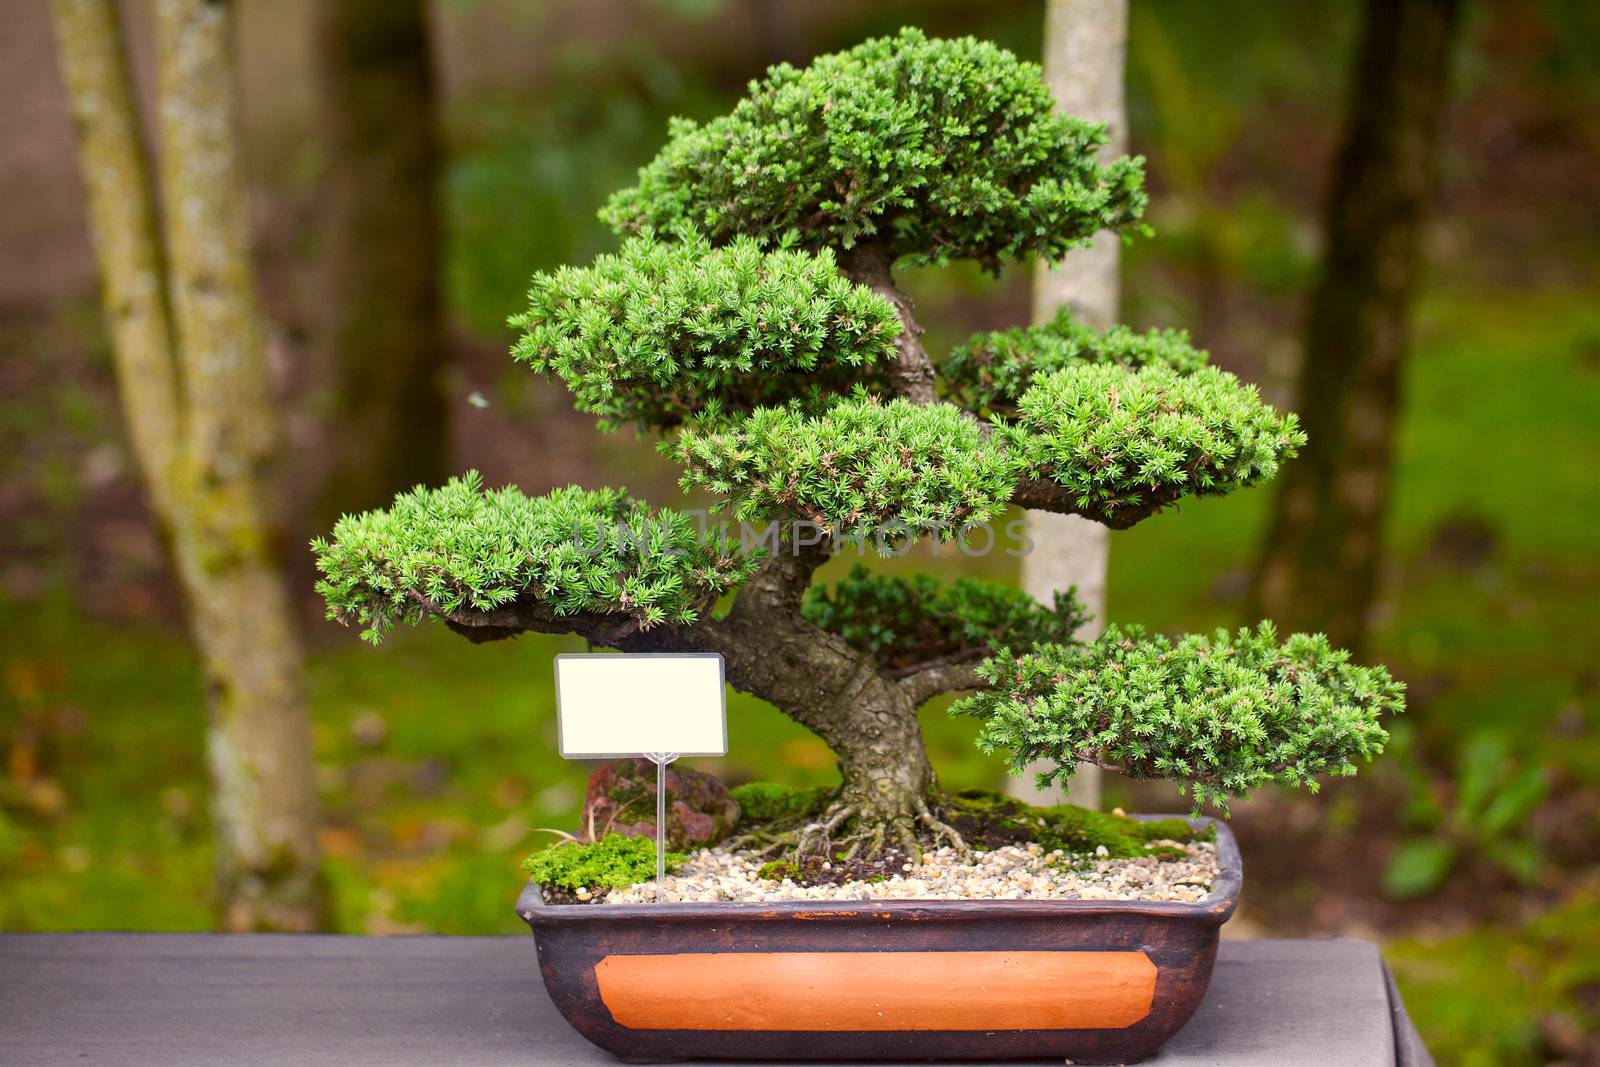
point(763, 802)
point(988, 819)
point(572, 871)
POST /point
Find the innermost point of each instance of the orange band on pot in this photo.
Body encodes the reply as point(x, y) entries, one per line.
point(989, 991)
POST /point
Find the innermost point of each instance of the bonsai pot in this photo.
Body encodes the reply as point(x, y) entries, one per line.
point(1091, 981)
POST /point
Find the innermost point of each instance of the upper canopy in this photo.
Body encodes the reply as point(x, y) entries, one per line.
point(942, 149)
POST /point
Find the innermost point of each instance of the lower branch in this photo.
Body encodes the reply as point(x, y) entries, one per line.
point(1041, 494)
point(926, 681)
point(888, 795)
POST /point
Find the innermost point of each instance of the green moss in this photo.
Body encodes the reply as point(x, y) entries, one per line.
point(778, 870)
point(768, 801)
point(612, 862)
point(993, 818)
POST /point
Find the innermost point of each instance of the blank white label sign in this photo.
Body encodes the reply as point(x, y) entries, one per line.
point(631, 705)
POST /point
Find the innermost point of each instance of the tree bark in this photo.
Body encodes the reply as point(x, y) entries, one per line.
point(122, 221)
point(1085, 52)
point(260, 737)
point(911, 375)
point(814, 677)
point(1319, 568)
point(193, 382)
point(382, 326)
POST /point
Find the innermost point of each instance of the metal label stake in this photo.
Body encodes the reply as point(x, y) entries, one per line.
point(661, 759)
point(660, 705)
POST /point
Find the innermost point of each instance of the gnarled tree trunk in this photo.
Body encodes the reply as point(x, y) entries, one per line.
point(870, 722)
point(1319, 569)
point(195, 392)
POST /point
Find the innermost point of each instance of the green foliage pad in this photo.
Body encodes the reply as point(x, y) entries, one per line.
point(1130, 441)
point(942, 149)
point(990, 371)
point(660, 331)
point(903, 621)
point(1220, 714)
point(572, 550)
point(862, 463)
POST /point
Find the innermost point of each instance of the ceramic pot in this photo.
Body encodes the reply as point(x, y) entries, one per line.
point(1091, 981)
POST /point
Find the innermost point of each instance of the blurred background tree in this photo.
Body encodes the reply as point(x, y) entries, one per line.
point(1085, 59)
point(1479, 837)
point(180, 306)
point(380, 302)
point(1319, 569)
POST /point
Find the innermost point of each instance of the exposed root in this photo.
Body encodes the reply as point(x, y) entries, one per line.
point(765, 842)
point(873, 840)
point(818, 836)
point(942, 829)
point(850, 833)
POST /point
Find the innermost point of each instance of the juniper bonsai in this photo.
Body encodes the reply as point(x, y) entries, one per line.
point(751, 315)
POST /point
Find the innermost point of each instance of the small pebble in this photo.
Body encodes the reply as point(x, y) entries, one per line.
point(1011, 872)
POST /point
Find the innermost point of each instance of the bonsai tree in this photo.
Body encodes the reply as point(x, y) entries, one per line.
point(752, 317)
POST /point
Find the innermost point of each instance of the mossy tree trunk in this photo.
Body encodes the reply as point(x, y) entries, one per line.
point(1085, 52)
point(381, 310)
point(195, 391)
point(1319, 568)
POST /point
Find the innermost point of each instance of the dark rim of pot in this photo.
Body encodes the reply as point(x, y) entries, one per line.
point(1217, 907)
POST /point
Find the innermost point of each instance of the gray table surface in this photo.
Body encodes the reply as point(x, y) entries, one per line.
point(179, 999)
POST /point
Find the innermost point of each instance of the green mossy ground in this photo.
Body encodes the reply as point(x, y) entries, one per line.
point(761, 802)
point(986, 820)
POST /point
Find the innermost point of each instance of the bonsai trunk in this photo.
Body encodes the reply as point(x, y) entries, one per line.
point(888, 785)
point(888, 794)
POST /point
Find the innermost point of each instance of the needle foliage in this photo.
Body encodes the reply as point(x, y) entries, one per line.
point(1221, 714)
point(990, 371)
point(900, 621)
point(942, 149)
point(572, 550)
point(894, 466)
point(1118, 439)
point(661, 330)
